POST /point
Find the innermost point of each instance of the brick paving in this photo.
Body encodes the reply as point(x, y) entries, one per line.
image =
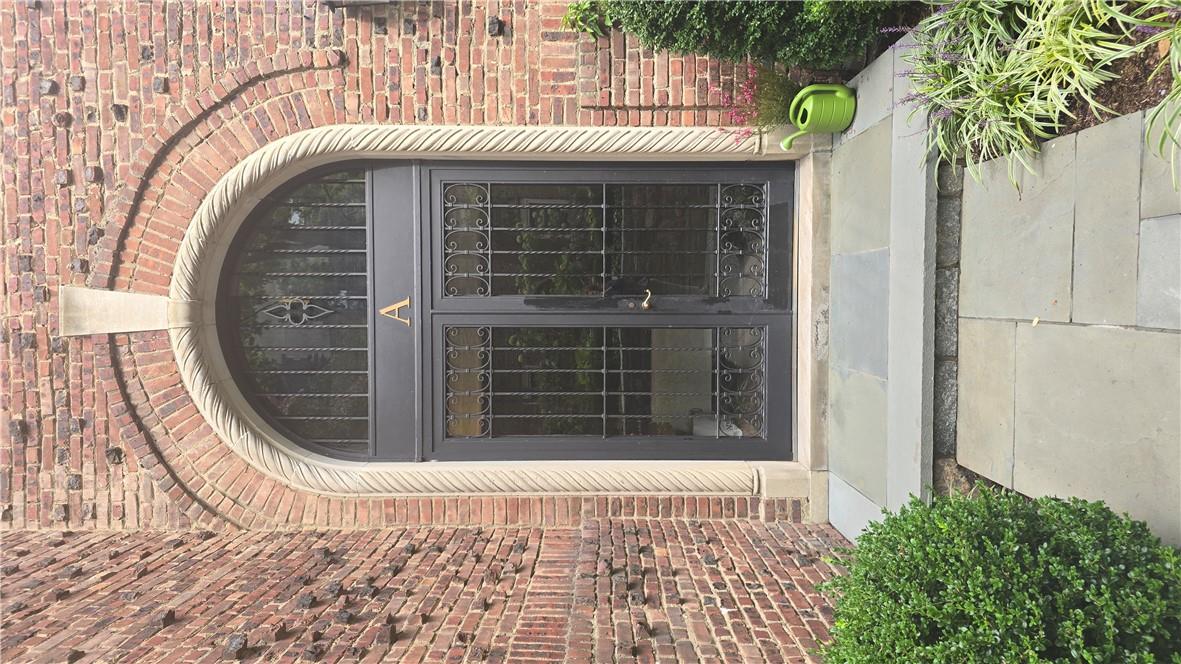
point(611, 590)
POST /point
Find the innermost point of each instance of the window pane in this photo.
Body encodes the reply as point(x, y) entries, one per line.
point(300, 303)
point(510, 381)
point(705, 239)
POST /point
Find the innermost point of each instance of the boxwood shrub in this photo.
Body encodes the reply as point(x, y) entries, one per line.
point(818, 34)
point(1000, 578)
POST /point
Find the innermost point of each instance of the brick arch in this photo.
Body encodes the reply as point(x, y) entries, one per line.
point(161, 186)
point(248, 108)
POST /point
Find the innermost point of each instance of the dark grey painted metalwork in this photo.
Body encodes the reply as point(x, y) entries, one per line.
point(728, 225)
point(434, 243)
point(775, 363)
point(294, 310)
point(605, 381)
point(739, 220)
point(395, 271)
point(293, 315)
point(574, 238)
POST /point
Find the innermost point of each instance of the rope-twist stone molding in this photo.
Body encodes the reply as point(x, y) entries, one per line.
point(214, 222)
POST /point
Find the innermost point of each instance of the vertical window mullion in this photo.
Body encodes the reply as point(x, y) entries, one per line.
point(491, 373)
point(604, 386)
point(370, 310)
point(717, 381)
point(718, 240)
point(603, 248)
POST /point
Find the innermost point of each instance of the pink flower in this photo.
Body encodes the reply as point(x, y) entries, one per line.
point(742, 134)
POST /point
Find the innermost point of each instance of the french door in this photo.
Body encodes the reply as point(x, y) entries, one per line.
point(568, 311)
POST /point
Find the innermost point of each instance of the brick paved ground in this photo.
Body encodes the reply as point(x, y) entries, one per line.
point(616, 590)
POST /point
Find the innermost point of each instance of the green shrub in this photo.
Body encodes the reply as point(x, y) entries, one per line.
point(587, 16)
point(818, 34)
point(1000, 578)
point(829, 34)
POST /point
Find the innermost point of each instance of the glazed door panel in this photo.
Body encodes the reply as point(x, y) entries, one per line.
point(622, 312)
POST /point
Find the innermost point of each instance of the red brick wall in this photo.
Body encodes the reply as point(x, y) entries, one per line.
point(118, 118)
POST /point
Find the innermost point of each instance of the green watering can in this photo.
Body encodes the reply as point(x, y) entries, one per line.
point(820, 108)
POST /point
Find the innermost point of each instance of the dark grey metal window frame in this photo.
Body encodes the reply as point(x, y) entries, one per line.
point(406, 362)
point(775, 445)
point(778, 242)
point(774, 313)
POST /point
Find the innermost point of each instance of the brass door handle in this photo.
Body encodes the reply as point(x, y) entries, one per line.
point(395, 311)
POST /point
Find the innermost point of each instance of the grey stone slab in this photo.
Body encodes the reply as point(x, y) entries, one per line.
point(857, 432)
point(1098, 416)
point(1158, 299)
point(946, 384)
point(875, 95)
point(813, 258)
point(1158, 195)
point(1106, 222)
point(849, 510)
point(861, 192)
point(984, 411)
point(948, 217)
point(911, 325)
point(859, 308)
point(1015, 254)
point(947, 288)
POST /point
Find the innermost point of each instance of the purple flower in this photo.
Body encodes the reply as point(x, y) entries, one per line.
point(946, 7)
point(915, 98)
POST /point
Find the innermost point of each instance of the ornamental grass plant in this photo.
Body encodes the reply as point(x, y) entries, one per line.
point(995, 78)
point(1160, 24)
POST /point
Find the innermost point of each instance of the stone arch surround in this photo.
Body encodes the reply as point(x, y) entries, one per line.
point(182, 440)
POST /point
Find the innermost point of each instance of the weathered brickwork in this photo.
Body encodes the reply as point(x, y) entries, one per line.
point(615, 590)
point(117, 117)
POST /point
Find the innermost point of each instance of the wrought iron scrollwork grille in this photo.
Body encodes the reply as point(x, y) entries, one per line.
point(705, 239)
point(462, 311)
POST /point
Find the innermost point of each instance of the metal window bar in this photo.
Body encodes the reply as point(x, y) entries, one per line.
point(603, 352)
point(717, 242)
point(738, 251)
point(318, 404)
point(736, 387)
point(716, 335)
